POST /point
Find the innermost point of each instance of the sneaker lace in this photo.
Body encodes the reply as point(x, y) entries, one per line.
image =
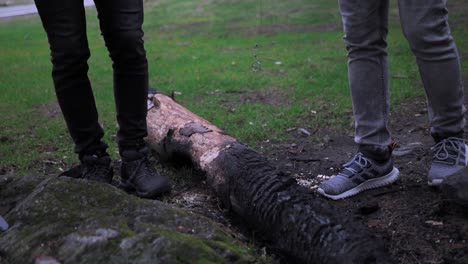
point(447, 150)
point(356, 165)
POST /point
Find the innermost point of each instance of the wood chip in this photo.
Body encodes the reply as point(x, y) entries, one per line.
point(305, 131)
point(434, 223)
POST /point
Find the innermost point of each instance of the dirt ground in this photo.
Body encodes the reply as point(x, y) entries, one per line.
point(415, 221)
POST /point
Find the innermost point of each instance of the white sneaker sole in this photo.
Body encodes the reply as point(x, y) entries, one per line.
point(435, 182)
point(367, 185)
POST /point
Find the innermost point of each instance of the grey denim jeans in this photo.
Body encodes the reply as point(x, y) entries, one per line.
point(425, 25)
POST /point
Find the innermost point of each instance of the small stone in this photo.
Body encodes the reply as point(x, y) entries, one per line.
point(434, 223)
point(305, 131)
point(3, 224)
point(45, 260)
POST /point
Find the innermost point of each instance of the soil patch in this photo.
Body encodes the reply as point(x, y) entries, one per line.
point(51, 110)
point(272, 96)
point(233, 98)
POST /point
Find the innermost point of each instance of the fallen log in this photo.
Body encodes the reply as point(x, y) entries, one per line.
point(290, 219)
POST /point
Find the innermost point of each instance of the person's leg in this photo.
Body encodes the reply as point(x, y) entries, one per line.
point(65, 24)
point(425, 24)
point(121, 24)
point(365, 24)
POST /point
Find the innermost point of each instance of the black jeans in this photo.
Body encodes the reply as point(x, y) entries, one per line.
point(121, 25)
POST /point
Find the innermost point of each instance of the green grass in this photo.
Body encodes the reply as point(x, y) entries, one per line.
point(206, 50)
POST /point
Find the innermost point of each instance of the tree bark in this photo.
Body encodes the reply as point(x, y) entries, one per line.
point(284, 214)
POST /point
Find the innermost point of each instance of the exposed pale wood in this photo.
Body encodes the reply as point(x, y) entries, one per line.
point(166, 120)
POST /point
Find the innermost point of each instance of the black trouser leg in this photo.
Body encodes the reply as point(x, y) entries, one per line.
point(121, 25)
point(65, 24)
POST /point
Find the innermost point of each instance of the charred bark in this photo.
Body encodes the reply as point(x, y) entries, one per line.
point(284, 214)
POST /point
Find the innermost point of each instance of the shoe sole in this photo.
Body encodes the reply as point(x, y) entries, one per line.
point(131, 188)
point(367, 185)
point(435, 182)
point(439, 181)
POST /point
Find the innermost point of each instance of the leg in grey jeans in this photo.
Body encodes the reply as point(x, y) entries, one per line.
point(425, 25)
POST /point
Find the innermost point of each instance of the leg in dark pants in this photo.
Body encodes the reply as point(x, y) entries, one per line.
point(121, 26)
point(65, 24)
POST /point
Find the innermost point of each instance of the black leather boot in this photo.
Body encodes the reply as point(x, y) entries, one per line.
point(137, 174)
point(97, 167)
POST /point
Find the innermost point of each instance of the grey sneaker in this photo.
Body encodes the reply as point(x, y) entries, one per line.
point(359, 174)
point(450, 157)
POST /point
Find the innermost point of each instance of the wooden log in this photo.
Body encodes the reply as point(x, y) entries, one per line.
point(284, 214)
